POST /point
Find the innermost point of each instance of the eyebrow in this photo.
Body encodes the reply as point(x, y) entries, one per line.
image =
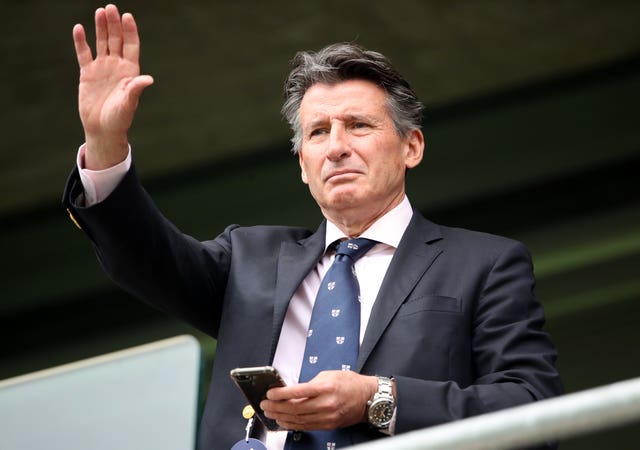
point(346, 117)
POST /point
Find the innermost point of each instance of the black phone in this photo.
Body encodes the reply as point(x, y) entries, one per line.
point(254, 382)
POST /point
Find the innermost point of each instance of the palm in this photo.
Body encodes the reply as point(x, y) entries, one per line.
point(103, 100)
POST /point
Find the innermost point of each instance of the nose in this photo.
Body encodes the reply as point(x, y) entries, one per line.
point(338, 146)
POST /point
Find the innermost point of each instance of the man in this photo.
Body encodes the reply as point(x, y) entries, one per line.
point(449, 326)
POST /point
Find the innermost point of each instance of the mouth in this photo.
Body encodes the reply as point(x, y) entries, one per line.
point(342, 173)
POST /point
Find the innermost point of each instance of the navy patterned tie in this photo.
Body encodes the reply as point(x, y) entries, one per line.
point(333, 339)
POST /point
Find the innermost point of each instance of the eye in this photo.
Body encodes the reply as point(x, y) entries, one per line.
point(317, 132)
point(360, 127)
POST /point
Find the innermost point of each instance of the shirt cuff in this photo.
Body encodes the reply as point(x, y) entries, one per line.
point(98, 184)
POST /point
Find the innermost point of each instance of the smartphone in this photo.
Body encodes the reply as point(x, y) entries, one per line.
point(254, 382)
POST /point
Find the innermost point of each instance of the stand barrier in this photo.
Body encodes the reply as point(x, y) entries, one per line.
point(145, 397)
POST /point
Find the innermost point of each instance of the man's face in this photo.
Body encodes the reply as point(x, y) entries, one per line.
point(351, 156)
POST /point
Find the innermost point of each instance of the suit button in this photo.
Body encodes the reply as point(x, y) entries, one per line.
point(297, 435)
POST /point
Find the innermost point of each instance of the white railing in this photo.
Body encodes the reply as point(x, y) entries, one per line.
point(548, 420)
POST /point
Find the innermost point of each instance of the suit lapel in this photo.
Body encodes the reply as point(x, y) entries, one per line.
point(295, 261)
point(415, 254)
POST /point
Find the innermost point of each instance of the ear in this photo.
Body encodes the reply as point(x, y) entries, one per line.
point(303, 173)
point(414, 148)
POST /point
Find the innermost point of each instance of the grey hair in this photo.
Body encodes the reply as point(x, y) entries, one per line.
point(347, 61)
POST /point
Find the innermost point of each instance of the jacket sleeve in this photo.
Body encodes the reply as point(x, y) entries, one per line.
point(128, 232)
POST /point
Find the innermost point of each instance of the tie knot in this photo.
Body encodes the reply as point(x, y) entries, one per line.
point(355, 248)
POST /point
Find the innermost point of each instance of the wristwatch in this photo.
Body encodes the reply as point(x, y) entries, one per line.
point(381, 407)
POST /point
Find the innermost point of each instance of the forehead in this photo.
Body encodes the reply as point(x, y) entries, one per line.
point(351, 97)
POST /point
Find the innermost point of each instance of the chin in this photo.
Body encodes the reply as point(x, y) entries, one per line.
point(345, 200)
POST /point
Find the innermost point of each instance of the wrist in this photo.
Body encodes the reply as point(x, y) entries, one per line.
point(370, 391)
point(381, 406)
point(102, 153)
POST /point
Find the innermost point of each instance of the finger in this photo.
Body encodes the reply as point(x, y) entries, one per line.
point(279, 393)
point(297, 410)
point(83, 51)
point(101, 33)
point(307, 414)
point(137, 85)
point(296, 391)
point(303, 422)
point(131, 40)
point(292, 421)
point(114, 30)
point(134, 89)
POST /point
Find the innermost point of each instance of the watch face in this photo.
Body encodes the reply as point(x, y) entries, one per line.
point(380, 413)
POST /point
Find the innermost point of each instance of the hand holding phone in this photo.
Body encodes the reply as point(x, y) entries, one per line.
point(254, 382)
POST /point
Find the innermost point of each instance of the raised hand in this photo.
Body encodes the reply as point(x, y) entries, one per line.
point(110, 85)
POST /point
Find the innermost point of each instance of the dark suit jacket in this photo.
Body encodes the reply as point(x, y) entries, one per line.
point(455, 323)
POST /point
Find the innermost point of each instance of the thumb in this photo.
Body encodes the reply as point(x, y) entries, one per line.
point(137, 85)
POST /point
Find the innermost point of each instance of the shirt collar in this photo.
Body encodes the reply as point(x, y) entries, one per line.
point(388, 229)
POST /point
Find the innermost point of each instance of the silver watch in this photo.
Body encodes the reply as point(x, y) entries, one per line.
point(381, 407)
